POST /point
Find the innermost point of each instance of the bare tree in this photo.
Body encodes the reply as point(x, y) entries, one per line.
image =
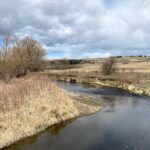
point(28, 54)
point(5, 61)
point(32, 53)
point(16, 58)
point(108, 66)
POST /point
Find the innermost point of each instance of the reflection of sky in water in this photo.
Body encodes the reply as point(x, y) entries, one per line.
point(124, 124)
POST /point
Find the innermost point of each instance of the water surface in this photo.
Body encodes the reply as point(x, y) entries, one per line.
point(124, 124)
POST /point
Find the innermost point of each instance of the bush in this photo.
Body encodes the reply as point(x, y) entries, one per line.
point(119, 56)
point(75, 61)
point(108, 66)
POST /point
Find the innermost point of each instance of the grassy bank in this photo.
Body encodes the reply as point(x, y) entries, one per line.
point(130, 73)
point(30, 105)
point(98, 82)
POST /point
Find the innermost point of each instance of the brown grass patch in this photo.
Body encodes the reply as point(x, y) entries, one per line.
point(14, 94)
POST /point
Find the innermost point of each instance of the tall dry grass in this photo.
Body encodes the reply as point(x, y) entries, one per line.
point(129, 78)
point(14, 94)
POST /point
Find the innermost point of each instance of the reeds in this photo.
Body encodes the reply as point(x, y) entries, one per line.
point(14, 94)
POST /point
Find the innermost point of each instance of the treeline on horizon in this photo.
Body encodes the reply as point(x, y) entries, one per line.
point(59, 63)
point(19, 57)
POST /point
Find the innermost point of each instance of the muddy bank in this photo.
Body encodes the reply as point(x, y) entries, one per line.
point(133, 88)
point(30, 120)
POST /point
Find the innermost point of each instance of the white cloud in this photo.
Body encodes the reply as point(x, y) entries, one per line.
point(78, 28)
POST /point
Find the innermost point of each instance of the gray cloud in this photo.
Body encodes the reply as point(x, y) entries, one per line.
point(78, 28)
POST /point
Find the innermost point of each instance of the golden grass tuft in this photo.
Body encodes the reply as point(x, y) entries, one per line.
point(14, 94)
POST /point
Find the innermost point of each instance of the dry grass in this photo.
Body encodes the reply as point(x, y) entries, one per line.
point(138, 65)
point(133, 70)
point(16, 93)
point(30, 105)
point(128, 78)
point(12, 95)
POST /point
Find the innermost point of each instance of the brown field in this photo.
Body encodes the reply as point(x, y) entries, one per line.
point(125, 67)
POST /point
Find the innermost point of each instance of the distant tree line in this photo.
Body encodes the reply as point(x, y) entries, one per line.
point(139, 56)
point(19, 57)
point(62, 63)
point(132, 56)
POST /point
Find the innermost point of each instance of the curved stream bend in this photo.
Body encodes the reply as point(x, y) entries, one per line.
point(124, 124)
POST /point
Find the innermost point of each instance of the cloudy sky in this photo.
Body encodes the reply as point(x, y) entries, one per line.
point(80, 28)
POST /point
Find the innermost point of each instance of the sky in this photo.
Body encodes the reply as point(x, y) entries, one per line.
point(80, 28)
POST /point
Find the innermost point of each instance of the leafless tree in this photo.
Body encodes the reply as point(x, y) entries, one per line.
point(5, 61)
point(31, 54)
point(16, 58)
point(108, 66)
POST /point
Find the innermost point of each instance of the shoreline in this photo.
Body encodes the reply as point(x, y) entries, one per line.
point(134, 89)
point(40, 117)
point(11, 137)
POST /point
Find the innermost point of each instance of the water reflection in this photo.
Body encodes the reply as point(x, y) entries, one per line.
point(52, 131)
point(56, 129)
point(85, 89)
point(124, 124)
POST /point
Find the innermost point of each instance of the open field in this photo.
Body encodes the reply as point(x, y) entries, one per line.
point(126, 67)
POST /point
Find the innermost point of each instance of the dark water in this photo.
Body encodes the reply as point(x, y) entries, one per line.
point(124, 124)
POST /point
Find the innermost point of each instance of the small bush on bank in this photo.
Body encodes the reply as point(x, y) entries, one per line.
point(108, 66)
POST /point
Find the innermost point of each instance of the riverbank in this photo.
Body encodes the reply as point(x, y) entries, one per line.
point(41, 108)
point(94, 81)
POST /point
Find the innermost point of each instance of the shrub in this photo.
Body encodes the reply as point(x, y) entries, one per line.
point(108, 66)
point(119, 56)
point(75, 61)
